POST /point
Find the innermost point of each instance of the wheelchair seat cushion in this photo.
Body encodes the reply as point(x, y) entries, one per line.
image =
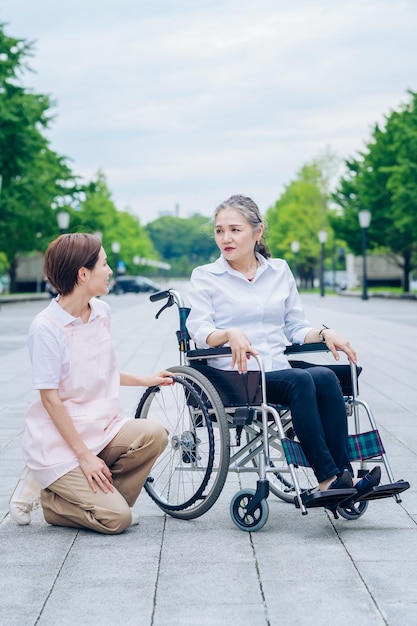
point(233, 388)
point(343, 372)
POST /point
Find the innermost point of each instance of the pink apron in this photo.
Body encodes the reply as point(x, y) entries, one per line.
point(90, 394)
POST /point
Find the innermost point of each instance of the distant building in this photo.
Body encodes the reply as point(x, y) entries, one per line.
point(29, 274)
point(381, 271)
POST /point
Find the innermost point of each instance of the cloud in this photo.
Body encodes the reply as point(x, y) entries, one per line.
point(187, 102)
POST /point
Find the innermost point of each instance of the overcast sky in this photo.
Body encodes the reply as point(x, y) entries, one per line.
point(184, 102)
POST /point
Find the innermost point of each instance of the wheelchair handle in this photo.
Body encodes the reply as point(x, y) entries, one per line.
point(159, 295)
point(172, 297)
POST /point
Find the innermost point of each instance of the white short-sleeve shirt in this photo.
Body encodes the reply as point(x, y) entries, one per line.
point(48, 344)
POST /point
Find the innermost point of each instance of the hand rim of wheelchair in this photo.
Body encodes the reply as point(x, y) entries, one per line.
point(206, 398)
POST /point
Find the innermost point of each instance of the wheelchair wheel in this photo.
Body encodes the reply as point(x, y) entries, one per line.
point(353, 511)
point(256, 519)
point(189, 475)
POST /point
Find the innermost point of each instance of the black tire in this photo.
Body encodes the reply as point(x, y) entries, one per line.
point(352, 511)
point(256, 519)
point(189, 475)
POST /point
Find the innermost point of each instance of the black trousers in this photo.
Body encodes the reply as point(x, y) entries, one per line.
point(318, 414)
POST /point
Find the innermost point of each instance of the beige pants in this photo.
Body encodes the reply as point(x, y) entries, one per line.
point(70, 501)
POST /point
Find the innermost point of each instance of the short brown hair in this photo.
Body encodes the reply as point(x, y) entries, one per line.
point(66, 255)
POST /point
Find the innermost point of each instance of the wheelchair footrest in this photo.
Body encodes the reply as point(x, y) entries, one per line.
point(329, 498)
point(384, 491)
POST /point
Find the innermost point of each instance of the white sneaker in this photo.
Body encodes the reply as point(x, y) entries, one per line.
point(135, 518)
point(25, 498)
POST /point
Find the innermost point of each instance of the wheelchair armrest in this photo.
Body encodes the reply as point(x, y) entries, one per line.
point(225, 351)
point(206, 353)
point(297, 348)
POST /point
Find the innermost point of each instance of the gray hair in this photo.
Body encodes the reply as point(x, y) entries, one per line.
point(251, 213)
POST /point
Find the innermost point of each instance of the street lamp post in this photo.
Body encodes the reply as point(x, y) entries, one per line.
point(115, 247)
point(322, 239)
point(364, 221)
point(295, 248)
point(63, 219)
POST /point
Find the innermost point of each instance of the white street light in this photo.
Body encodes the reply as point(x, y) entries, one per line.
point(115, 247)
point(63, 219)
point(322, 234)
point(364, 217)
point(295, 247)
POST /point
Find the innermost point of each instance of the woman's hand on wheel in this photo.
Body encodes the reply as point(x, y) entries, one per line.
point(161, 379)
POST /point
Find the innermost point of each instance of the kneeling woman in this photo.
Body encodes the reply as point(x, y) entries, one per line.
point(90, 462)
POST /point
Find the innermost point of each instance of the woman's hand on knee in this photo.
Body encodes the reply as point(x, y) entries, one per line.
point(336, 342)
point(241, 349)
point(96, 472)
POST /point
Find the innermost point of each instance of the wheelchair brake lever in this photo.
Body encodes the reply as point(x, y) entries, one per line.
point(169, 303)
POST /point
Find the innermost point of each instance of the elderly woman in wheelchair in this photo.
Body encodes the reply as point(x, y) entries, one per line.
point(250, 302)
point(245, 309)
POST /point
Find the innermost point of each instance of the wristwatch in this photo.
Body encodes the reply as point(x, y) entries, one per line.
point(321, 333)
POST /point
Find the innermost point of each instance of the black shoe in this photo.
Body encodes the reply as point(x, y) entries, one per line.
point(343, 484)
point(343, 481)
point(369, 481)
point(340, 489)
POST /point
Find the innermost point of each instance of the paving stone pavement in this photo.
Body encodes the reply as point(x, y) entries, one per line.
point(297, 570)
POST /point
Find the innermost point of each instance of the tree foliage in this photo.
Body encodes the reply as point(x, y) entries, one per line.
point(299, 214)
point(382, 179)
point(37, 182)
point(33, 176)
point(184, 242)
point(97, 213)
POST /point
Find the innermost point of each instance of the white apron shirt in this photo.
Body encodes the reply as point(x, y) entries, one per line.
point(90, 393)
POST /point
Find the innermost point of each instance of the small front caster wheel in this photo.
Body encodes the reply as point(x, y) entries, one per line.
point(352, 510)
point(253, 520)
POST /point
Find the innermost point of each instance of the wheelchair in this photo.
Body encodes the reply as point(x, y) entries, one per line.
point(220, 421)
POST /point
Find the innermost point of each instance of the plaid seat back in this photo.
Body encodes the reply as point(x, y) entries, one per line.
point(365, 446)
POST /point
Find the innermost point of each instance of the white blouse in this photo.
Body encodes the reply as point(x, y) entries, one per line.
point(268, 309)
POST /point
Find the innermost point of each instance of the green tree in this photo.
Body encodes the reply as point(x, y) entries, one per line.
point(33, 176)
point(184, 243)
point(98, 213)
point(382, 179)
point(299, 214)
